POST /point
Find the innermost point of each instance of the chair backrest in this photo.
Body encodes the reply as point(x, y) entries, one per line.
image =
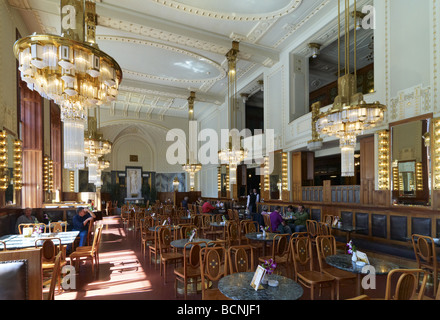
point(31, 225)
point(235, 214)
point(300, 249)
point(328, 219)
point(280, 246)
point(406, 286)
point(324, 229)
point(312, 228)
point(97, 237)
point(241, 259)
point(424, 250)
point(55, 275)
point(4, 244)
point(232, 231)
point(165, 238)
point(186, 230)
point(205, 222)
point(325, 246)
point(231, 214)
point(49, 248)
point(191, 252)
point(212, 266)
point(59, 226)
point(251, 226)
point(267, 222)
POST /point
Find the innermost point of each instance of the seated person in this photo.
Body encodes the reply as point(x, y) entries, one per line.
point(259, 216)
point(278, 223)
point(207, 207)
point(300, 218)
point(27, 217)
point(81, 223)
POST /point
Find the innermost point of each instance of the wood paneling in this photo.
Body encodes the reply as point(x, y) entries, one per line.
point(367, 170)
point(32, 136)
point(56, 145)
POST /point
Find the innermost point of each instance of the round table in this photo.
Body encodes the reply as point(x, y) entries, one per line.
point(344, 262)
point(257, 236)
point(237, 286)
point(180, 243)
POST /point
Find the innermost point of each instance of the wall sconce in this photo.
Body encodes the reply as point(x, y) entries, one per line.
point(427, 137)
point(244, 96)
point(266, 174)
point(261, 83)
point(18, 164)
point(383, 160)
point(314, 47)
point(4, 174)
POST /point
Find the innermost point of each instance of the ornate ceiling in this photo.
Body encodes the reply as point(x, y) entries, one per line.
point(168, 48)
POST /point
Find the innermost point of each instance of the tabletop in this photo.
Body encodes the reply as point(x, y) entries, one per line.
point(156, 228)
point(258, 236)
point(217, 224)
point(237, 286)
point(349, 228)
point(19, 241)
point(344, 262)
point(180, 243)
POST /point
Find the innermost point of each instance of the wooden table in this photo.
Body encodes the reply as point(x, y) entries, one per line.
point(237, 286)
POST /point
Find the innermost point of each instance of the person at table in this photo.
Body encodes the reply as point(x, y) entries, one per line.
point(81, 223)
point(300, 218)
point(278, 223)
point(185, 203)
point(207, 207)
point(257, 216)
point(27, 217)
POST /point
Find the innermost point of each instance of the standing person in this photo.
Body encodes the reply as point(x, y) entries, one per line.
point(252, 199)
point(27, 217)
point(185, 203)
point(300, 217)
point(81, 223)
point(278, 223)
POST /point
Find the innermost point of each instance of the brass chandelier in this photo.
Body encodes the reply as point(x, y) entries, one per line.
point(350, 115)
point(233, 154)
point(191, 166)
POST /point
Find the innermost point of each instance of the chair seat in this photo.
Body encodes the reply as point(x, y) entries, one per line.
point(339, 274)
point(190, 272)
point(171, 256)
point(314, 277)
point(214, 294)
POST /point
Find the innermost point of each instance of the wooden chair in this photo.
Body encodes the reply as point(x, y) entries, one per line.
point(426, 256)
point(49, 252)
point(88, 252)
point(4, 245)
point(241, 259)
point(232, 233)
point(328, 219)
point(191, 266)
point(406, 286)
point(326, 246)
point(147, 236)
point(31, 225)
point(324, 229)
point(186, 230)
point(280, 252)
point(300, 248)
point(59, 226)
point(153, 248)
point(166, 252)
point(56, 278)
point(213, 266)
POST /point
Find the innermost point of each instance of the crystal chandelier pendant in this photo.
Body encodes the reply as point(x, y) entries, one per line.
point(74, 144)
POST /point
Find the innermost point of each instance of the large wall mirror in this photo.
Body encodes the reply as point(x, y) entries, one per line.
point(411, 165)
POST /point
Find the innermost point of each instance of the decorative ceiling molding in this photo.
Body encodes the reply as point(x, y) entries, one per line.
point(292, 6)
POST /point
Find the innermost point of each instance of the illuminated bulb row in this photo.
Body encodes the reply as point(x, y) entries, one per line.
point(219, 179)
point(284, 185)
point(18, 164)
point(47, 174)
point(419, 176)
point(383, 160)
point(4, 174)
point(436, 154)
point(72, 180)
point(266, 173)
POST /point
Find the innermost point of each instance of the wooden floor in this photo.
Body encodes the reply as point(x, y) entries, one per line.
point(124, 274)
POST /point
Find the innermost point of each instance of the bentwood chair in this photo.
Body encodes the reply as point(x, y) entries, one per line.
point(426, 256)
point(280, 252)
point(51, 247)
point(213, 267)
point(166, 251)
point(326, 246)
point(191, 266)
point(56, 278)
point(88, 252)
point(300, 248)
point(4, 245)
point(59, 226)
point(31, 225)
